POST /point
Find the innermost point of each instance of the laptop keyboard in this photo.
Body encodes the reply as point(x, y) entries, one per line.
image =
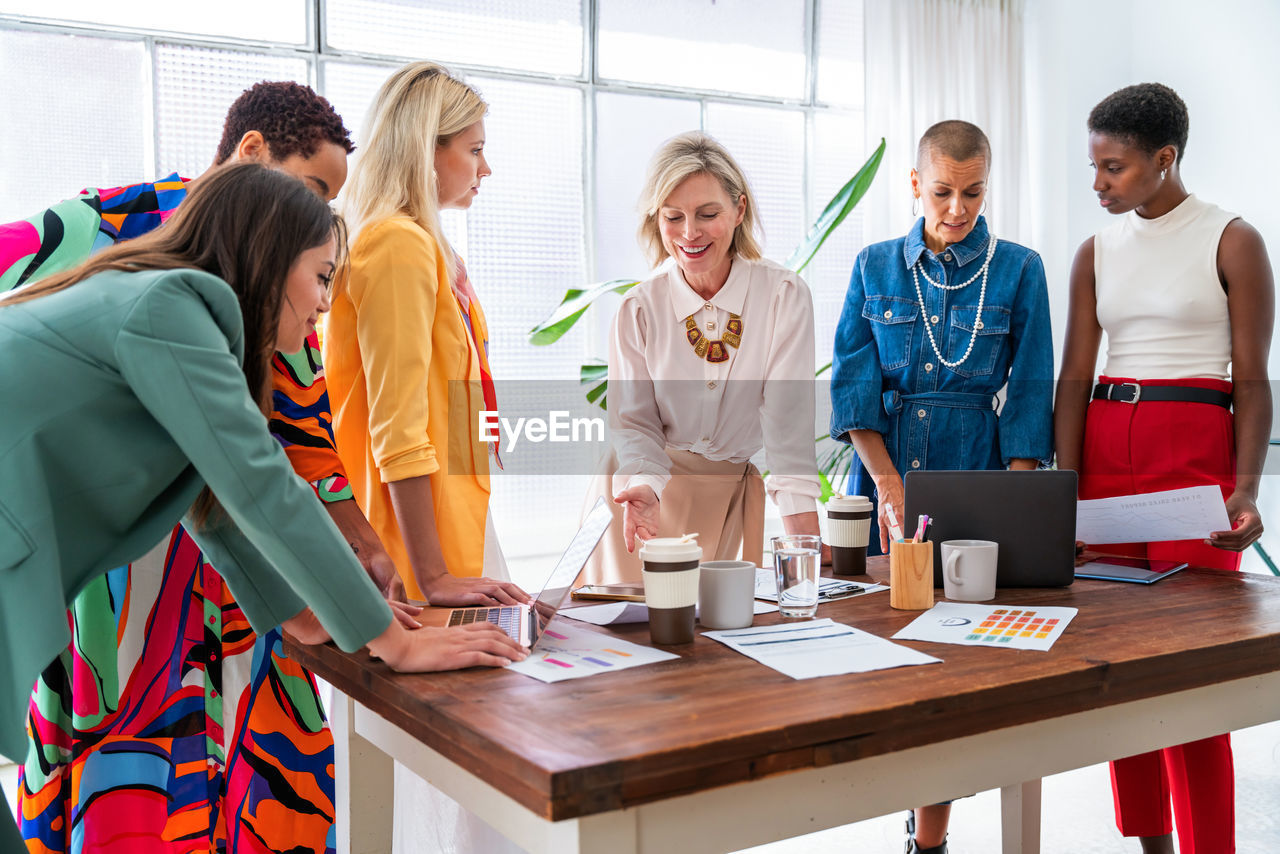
point(506, 617)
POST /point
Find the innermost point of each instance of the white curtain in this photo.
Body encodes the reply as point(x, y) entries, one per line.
point(930, 60)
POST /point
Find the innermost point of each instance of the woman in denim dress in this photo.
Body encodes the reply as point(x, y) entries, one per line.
point(934, 325)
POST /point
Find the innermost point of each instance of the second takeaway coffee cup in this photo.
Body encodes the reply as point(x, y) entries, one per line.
point(848, 527)
point(669, 566)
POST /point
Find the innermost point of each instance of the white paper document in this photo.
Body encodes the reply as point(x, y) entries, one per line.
point(997, 626)
point(829, 589)
point(620, 613)
point(566, 651)
point(1153, 517)
point(818, 648)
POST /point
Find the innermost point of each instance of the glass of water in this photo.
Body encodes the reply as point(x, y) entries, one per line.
point(796, 558)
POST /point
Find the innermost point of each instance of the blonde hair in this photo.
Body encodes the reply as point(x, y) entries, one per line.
point(420, 107)
point(682, 157)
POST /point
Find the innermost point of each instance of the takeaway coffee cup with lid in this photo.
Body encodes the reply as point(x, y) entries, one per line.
point(848, 527)
point(670, 572)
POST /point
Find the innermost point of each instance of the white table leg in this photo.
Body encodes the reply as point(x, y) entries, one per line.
point(1020, 818)
point(365, 785)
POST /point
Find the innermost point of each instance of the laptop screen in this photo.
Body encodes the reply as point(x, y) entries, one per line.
point(574, 558)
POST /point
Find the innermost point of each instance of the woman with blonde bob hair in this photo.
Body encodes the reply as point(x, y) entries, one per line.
point(710, 360)
point(406, 356)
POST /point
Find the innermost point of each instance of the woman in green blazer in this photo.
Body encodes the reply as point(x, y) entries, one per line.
point(134, 392)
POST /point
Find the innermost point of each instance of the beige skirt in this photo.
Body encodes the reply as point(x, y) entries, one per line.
point(722, 502)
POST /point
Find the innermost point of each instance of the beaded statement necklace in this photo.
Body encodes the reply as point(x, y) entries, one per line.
point(714, 351)
point(917, 271)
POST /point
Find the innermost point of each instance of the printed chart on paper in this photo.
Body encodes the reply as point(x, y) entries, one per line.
point(565, 651)
point(989, 625)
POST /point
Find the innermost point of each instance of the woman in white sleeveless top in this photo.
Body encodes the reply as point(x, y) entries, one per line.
point(1185, 293)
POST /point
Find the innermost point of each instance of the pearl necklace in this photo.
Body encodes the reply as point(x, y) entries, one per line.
point(917, 271)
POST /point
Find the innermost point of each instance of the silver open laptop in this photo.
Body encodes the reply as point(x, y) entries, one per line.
point(525, 622)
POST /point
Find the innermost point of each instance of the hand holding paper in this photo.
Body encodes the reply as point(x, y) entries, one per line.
point(1176, 514)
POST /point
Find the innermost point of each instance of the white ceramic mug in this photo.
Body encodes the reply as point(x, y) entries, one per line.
point(969, 570)
point(726, 594)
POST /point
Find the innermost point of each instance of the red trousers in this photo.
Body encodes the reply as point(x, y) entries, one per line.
point(1148, 447)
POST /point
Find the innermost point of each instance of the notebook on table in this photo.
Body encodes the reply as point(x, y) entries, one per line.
point(525, 622)
point(1031, 514)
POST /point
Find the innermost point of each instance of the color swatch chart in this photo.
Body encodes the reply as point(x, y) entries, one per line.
point(996, 626)
point(565, 651)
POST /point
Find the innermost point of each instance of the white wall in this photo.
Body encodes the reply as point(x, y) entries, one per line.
point(1220, 57)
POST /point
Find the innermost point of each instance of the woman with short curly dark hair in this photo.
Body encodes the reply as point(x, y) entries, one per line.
point(1185, 294)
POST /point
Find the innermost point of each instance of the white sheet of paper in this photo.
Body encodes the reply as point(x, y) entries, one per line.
point(818, 648)
point(566, 651)
point(1175, 514)
point(986, 624)
point(620, 613)
point(829, 589)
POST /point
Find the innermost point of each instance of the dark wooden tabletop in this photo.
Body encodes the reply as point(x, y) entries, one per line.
point(715, 717)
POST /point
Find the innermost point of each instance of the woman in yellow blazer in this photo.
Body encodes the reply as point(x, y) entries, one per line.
point(406, 345)
point(405, 353)
point(145, 375)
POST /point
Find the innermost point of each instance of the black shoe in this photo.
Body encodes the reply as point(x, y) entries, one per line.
point(912, 847)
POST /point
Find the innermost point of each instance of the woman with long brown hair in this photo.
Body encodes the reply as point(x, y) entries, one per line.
point(144, 377)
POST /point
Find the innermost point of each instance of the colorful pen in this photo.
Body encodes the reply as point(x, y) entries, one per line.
point(921, 526)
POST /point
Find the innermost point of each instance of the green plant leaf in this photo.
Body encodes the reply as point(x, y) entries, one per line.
point(836, 210)
point(575, 302)
point(595, 374)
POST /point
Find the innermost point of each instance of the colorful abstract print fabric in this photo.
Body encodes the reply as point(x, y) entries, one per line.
point(168, 725)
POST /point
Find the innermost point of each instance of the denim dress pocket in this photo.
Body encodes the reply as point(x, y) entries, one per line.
point(988, 333)
point(893, 322)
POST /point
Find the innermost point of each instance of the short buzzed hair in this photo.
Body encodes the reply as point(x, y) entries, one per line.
point(958, 140)
point(1148, 116)
point(291, 117)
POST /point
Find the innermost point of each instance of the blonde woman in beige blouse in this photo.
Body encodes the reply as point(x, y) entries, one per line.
point(710, 361)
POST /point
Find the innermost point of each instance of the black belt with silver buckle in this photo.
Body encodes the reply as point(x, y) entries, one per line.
point(1133, 393)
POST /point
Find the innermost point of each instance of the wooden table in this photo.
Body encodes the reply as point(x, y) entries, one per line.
point(715, 752)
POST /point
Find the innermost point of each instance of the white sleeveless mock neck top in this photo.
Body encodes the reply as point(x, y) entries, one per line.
point(1160, 300)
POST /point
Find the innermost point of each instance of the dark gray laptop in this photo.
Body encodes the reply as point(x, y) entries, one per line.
point(1031, 514)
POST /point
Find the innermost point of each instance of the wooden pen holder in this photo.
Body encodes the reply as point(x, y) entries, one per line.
point(911, 575)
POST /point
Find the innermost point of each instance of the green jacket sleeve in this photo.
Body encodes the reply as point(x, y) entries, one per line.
point(178, 351)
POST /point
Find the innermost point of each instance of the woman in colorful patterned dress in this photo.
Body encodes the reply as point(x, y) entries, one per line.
point(200, 733)
point(158, 351)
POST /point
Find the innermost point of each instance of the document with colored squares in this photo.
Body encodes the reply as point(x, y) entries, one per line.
point(566, 651)
point(998, 626)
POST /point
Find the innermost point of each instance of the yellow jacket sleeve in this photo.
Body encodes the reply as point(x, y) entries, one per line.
point(394, 283)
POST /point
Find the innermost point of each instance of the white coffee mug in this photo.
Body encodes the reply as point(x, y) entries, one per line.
point(726, 594)
point(969, 570)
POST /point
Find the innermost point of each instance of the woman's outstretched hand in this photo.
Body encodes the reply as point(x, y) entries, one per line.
point(640, 508)
point(453, 648)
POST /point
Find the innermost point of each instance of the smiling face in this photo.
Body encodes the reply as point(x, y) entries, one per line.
point(460, 166)
point(951, 194)
point(697, 222)
point(306, 296)
point(1124, 176)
